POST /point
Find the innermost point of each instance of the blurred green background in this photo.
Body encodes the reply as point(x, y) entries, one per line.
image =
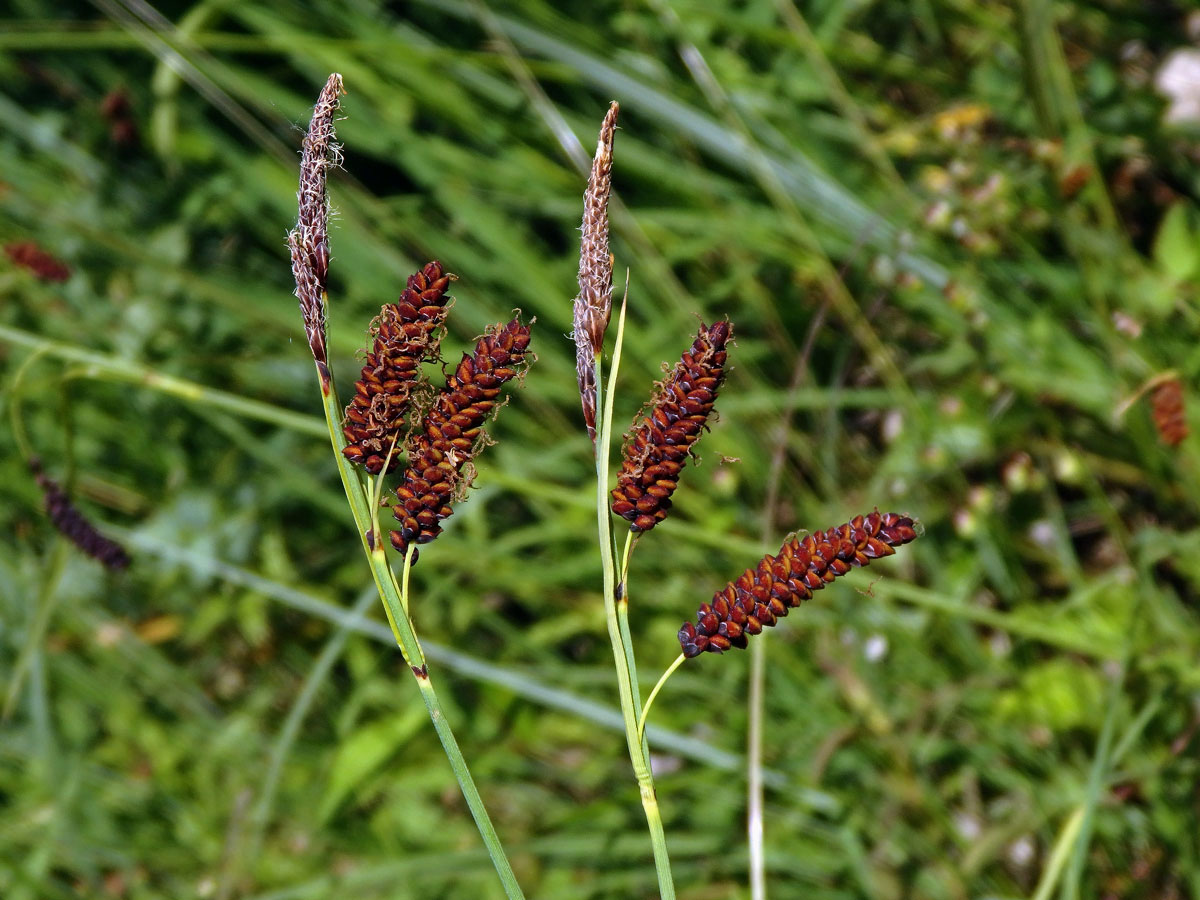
point(959, 240)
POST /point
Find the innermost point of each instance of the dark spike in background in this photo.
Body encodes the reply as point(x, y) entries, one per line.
point(74, 525)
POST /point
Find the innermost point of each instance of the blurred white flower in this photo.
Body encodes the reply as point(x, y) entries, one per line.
point(967, 825)
point(875, 648)
point(1042, 533)
point(1020, 851)
point(893, 425)
point(1178, 79)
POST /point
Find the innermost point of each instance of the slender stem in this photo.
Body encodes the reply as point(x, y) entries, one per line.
point(618, 630)
point(626, 635)
point(47, 602)
point(621, 594)
point(755, 831)
point(1060, 854)
point(654, 693)
point(408, 561)
point(395, 605)
point(14, 402)
point(754, 772)
point(117, 369)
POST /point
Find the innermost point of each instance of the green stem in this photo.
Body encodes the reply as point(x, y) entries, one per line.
point(117, 369)
point(622, 596)
point(754, 771)
point(290, 730)
point(47, 602)
point(395, 604)
point(618, 630)
point(1060, 854)
point(14, 403)
point(679, 660)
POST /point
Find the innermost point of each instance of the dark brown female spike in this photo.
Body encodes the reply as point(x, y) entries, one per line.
point(74, 525)
point(763, 595)
point(658, 447)
point(452, 432)
point(406, 334)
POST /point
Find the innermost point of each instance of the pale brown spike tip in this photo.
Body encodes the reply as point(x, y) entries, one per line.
point(309, 240)
point(593, 305)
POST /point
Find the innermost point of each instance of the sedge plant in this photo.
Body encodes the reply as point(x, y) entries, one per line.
point(398, 424)
point(653, 456)
point(386, 421)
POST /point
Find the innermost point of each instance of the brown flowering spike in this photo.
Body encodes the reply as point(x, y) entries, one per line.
point(763, 595)
point(1170, 418)
point(43, 265)
point(406, 334)
point(452, 433)
point(71, 522)
point(658, 447)
point(593, 305)
point(117, 109)
point(309, 240)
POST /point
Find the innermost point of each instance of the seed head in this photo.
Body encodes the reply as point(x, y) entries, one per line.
point(657, 449)
point(593, 306)
point(452, 433)
point(74, 525)
point(1170, 416)
point(117, 109)
point(309, 240)
point(763, 595)
point(405, 334)
point(44, 266)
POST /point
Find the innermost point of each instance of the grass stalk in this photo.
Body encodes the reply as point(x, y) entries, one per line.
point(395, 605)
point(756, 692)
point(755, 830)
point(1060, 854)
point(616, 610)
point(100, 365)
point(679, 660)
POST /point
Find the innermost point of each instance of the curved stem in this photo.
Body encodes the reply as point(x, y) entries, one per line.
point(408, 563)
point(14, 403)
point(98, 365)
point(654, 693)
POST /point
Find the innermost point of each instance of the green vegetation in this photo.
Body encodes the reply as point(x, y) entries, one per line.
point(960, 249)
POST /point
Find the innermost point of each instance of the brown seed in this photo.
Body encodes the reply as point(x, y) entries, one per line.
point(44, 266)
point(782, 582)
point(452, 433)
point(657, 447)
point(1170, 415)
point(405, 334)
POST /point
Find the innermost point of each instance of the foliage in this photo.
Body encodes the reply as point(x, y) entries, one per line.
point(957, 243)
